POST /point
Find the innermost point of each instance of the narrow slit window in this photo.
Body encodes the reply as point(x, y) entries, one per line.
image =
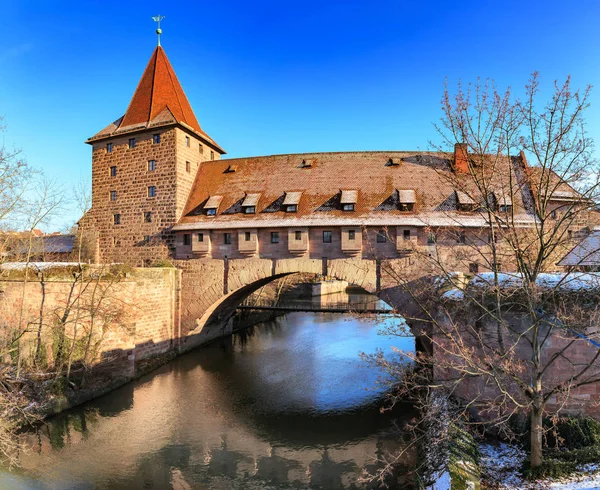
point(131, 142)
point(247, 236)
point(113, 195)
point(381, 237)
point(151, 191)
point(274, 237)
point(298, 235)
point(148, 217)
point(187, 141)
point(109, 147)
point(326, 237)
point(156, 139)
point(113, 171)
point(187, 239)
point(200, 237)
point(117, 219)
point(351, 235)
point(151, 165)
point(227, 238)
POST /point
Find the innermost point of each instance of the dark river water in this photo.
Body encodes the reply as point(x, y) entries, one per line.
point(284, 404)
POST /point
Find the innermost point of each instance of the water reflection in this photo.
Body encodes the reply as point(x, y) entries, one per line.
point(284, 405)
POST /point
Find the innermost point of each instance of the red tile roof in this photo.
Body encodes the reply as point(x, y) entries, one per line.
point(428, 175)
point(158, 99)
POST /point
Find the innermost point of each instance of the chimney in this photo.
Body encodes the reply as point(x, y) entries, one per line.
point(523, 159)
point(461, 162)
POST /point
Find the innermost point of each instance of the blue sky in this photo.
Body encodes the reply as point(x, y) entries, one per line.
point(269, 77)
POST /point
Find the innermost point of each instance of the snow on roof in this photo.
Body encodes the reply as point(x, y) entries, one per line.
point(407, 196)
point(251, 200)
point(587, 252)
point(213, 202)
point(349, 197)
point(292, 198)
point(15, 266)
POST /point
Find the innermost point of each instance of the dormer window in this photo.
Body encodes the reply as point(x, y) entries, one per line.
point(464, 201)
point(406, 199)
point(348, 200)
point(504, 201)
point(290, 203)
point(250, 202)
point(212, 205)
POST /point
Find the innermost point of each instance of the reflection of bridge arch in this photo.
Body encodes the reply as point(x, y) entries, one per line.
point(212, 290)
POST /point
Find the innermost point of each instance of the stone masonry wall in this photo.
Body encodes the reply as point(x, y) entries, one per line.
point(136, 315)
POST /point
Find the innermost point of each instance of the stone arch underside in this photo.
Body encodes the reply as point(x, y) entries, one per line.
point(212, 289)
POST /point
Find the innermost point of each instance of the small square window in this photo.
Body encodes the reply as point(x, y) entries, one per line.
point(249, 209)
point(211, 212)
point(347, 207)
point(298, 235)
point(473, 267)
point(274, 237)
point(187, 239)
point(131, 142)
point(227, 238)
point(113, 195)
point(148, 217)
point(406, 234)
point(200, 237)
point(351, 234)
point(151, 165)
point(117, 219)
point(326, 237)
point(291, 208)
point(187, 141)
point(151, 191)
point(113, 171)
point(381, 237)
point(109, 147)
point(188, 167)
point(212, 155)
point(247, 236)
point(200, 148)
point(156, 139)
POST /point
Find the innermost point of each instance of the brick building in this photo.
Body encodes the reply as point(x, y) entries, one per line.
point(160, 190)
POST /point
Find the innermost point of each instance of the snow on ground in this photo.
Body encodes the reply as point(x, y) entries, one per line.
point(500, 464)
point(573, 281)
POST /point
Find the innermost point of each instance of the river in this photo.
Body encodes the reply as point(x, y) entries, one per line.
point(286, 404)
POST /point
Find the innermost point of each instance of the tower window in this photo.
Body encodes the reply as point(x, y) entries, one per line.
point(187, 141)
point(200, 148)
point(156, 139)
point(351, 235)
point(131, 142)
point(200, 237)
point(109, 147)
point(381, 238)
point(212, 155)
point(247, 236)
point(151, 165)
point(117, 219)
point(151, 191)
point(113, 171)
point(187, 239)
point(113, 195)
point(188, 167)
point(227, 238)
point(274, 237)
point(298, 235)
point(326, 237)
point(148, 217)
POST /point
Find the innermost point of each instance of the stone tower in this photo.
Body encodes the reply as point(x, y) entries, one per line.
point(143, 168)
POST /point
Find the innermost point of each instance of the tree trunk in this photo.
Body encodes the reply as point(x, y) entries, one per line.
point(536, 436)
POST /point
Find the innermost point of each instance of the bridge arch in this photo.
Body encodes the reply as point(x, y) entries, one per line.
point(211, 290)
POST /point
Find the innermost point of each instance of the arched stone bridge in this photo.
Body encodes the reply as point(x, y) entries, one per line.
point(212, 289)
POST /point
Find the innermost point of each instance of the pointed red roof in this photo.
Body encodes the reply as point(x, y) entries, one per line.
point(158, 99)
point(159, 89)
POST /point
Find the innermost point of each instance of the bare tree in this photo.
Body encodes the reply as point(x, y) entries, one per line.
point(491, 339)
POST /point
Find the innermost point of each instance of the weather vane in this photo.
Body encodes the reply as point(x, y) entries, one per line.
point(157, 19)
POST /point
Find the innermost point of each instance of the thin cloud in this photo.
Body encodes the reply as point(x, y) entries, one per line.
point(15, 52)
